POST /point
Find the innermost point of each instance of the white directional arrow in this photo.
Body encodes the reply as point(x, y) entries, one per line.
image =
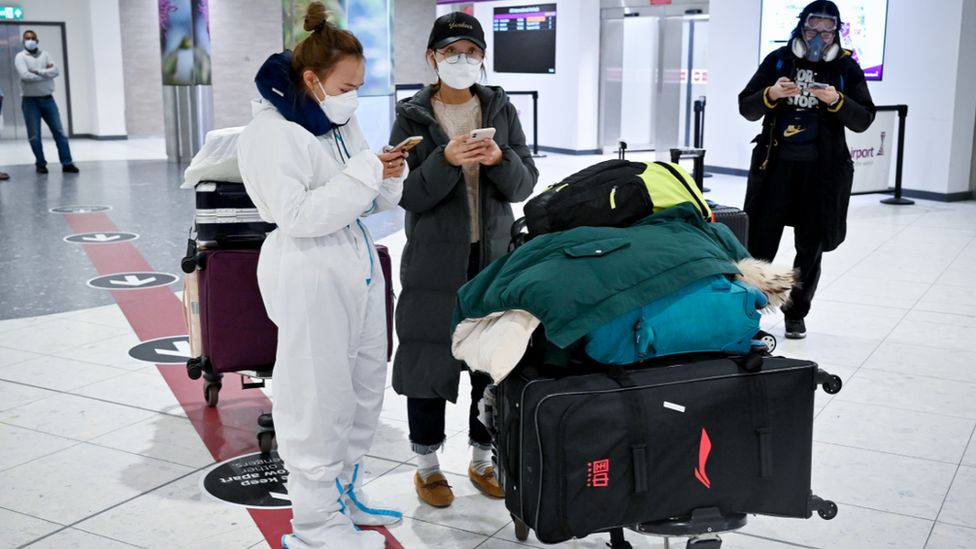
point(133, 280)
point(101, 237)
point(182, 349)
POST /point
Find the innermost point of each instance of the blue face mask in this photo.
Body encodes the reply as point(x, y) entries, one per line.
point(815, 49)
point(31, 45)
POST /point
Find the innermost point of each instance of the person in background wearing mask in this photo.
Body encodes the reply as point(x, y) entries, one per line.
point(37, 73)
point(807, 93)
point(458, 219)
point(307, 166)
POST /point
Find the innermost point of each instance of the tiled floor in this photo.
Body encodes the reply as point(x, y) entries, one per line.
point(98, 452)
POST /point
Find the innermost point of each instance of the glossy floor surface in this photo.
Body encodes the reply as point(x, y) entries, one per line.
point(102, 450)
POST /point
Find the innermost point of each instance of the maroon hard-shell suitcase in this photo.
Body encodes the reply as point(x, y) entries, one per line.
point(236, 333)
point(235, 329)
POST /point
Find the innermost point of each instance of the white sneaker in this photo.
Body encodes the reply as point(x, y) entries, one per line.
point(357, 506)
point(337, 532)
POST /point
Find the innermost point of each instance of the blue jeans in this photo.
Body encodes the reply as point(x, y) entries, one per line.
point(36, 108)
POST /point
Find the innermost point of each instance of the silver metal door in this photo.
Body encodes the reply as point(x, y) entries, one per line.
point(50, 39)
point(645, 78)
point(628, 66)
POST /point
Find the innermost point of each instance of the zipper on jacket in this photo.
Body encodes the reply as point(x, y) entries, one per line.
point(769, 144)
point(613, 198)
point(369, 251)
point(483, 247)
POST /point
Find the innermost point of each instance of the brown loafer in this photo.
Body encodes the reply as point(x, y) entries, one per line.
point(436, 492)
point(487, 482)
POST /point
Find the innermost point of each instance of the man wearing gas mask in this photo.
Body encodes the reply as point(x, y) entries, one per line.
point(801, 172)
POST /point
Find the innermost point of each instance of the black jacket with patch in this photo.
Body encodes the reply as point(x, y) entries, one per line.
point(855, 111)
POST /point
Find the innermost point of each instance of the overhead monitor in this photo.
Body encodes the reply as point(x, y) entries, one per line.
point(863, 30)
point(525, 39)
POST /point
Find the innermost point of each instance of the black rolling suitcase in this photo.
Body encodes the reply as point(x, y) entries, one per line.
point(656, 447)
point(226, 215)
point(733, 218)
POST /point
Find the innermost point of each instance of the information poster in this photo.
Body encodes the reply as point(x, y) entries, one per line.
point(873, 153)
point(372, 23)
point(863, 30)
point(184, 36)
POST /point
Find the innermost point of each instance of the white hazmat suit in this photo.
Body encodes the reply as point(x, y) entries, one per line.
point(322, 284)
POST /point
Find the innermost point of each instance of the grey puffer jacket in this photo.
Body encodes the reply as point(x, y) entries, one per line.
point(435, 260)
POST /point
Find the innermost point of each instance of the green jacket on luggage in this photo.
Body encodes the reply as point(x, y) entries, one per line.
point(577, 280)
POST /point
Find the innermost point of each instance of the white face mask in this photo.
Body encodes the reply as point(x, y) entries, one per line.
point(460, 75)
point(31, 45)
point(339, 108)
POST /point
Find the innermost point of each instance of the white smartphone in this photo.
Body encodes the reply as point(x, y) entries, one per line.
point(818, 86)
point(405, 145)
point(483, 133)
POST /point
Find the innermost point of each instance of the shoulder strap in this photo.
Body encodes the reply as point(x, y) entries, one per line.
point(694, 195)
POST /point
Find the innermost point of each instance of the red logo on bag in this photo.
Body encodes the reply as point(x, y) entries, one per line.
point(598, 474)
point(704, 449)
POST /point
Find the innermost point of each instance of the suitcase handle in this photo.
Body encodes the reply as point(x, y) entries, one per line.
point(636, 425)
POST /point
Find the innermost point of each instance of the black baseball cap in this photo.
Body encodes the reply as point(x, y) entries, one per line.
point(454, 27)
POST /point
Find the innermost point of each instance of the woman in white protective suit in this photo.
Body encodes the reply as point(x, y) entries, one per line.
point(308, 168)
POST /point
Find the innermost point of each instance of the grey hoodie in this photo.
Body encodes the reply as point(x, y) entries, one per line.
point(37, 84)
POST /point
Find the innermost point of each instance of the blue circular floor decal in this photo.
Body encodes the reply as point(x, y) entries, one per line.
point(165, 350)
point(253, 480)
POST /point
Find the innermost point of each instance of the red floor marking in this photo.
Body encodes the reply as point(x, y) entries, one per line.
point(229, 430)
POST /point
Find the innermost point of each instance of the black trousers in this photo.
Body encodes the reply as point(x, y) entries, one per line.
point(426, 415)
point(792, 199)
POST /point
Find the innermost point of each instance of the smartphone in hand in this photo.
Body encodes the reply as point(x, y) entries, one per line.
point(818, 86)
point(405, 145)
point(482, 133)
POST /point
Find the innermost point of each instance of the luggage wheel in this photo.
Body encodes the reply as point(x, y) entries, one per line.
point(194, 368)
point(211, 392)
point(710, 541)
point(265, 439)
point(617, 540)
point(824, 507)
point(767, 339)
point(831, 384)
point(521, 529)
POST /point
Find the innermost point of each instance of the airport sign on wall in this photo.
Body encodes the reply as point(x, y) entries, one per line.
point(9, 13)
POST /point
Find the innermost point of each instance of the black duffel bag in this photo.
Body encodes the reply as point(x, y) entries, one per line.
point(583, 453)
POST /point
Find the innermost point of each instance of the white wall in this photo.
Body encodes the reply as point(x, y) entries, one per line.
point(142, 75)
point(243, 33)
point(94, 59)
point(412, 20)
point(568, 99)
point(923, 69)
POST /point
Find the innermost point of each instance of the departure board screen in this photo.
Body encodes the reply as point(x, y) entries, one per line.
point(525, 39)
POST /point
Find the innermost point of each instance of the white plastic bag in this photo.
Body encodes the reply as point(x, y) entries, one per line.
point(216, 160)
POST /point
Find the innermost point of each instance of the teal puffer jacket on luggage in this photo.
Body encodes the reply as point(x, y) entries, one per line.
point(578, 280)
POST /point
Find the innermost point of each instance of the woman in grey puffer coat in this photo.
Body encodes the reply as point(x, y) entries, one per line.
point(458, 218)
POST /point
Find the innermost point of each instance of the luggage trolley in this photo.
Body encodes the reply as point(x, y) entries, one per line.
point(251, 320)
point(228, 326)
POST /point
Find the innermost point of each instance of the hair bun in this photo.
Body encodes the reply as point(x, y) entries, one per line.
point(316, 17)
